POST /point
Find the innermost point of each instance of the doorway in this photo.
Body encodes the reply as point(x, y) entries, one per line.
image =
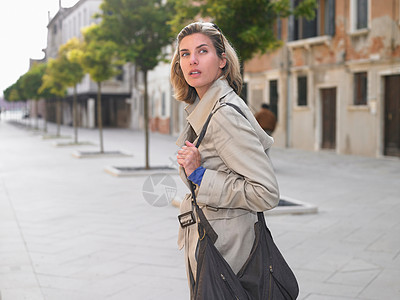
point(328, 101)
point(392, 116)
point(273, 97)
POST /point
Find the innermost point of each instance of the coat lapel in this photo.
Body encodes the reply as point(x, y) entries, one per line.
point(198, 111)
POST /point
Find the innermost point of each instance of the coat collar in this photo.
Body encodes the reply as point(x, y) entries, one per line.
point(198, 114)
point(198, 111)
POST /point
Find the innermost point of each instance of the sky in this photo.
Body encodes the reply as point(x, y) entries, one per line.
point(23, 35)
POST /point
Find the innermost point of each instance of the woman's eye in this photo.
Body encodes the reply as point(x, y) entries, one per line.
point(203, 51)
point(184, 54)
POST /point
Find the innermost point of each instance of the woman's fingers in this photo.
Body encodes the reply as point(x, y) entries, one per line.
point(189, 157)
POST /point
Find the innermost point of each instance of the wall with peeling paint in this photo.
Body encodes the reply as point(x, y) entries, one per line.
point(330, 62)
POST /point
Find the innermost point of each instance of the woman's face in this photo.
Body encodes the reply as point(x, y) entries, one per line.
point(199, 62)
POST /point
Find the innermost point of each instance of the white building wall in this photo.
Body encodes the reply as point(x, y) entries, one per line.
point(80, 16)
point(160, 94)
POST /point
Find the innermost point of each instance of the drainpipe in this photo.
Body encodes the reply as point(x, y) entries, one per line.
point(288, 80)
point(288, 100)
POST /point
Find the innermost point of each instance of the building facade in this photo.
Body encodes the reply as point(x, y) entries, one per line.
point(166, 114)
point(116, 92)
point(335, 83)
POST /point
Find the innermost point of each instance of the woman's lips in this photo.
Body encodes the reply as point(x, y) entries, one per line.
point(194, 73)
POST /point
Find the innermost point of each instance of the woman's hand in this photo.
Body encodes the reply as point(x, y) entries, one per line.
point(189, 158)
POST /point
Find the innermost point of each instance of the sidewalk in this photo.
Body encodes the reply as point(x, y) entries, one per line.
point(69, 230)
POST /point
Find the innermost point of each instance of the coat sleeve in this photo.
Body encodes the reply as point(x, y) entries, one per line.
point(250, 182)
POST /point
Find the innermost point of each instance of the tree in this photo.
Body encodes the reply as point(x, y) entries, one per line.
point(54, 82)
point(248, 24)
point(14, 92)
point(31, 82)
point(45, 94)
point(98, 57)
point(141, 31)
point(68, 55)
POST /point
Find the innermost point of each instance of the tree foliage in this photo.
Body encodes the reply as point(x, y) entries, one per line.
point(69, 57)
point(13, 92)
point(140, 29)
point(98, 57)
point(32, 80)
point(248, 24)
point(72, 69)
point(54, 79)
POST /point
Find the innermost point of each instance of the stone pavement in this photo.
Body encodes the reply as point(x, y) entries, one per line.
point(69, 230)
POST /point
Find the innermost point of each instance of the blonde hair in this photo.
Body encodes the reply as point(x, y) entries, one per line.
point(231, 71)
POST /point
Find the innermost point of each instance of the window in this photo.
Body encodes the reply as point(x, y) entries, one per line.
point(360, 88)
point(120, 75)
point(322, 24)
point(74, 27)
point(279, 28)
point(362, 14)
point(359, 15)
point(273, 97)
point(302, 91)
point(329, 17)
point(304, 28)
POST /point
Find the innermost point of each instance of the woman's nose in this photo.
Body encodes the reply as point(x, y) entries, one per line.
point(193, 60)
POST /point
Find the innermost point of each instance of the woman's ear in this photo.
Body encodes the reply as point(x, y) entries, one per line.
point(222, 63)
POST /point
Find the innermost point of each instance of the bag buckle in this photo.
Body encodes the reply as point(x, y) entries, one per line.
point(186, 219)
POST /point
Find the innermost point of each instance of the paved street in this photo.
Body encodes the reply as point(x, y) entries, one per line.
point(69, 230)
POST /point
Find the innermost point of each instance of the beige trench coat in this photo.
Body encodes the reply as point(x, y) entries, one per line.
point(239, 179)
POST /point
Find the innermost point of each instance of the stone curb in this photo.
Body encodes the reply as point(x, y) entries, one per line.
point(138, 171)
point(68, 144)
point(97, 154)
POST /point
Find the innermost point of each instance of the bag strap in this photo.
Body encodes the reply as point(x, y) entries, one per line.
point(204, 226)
point(204, 129)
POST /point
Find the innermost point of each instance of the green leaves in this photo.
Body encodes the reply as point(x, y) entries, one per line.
point(27, 86)
point(69, 58)
point(13, 92)
point(54, 79)
point(32, 80)
point(306, 8)
point(248, 24)
point(139, 28)
point(98, 57)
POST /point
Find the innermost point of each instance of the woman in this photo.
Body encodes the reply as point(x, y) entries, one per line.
point(233, 174)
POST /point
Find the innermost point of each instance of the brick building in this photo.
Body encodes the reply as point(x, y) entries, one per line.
point(335, 83)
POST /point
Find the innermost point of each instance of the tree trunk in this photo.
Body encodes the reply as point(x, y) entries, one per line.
point(99, 116)
point(45, 117)
point(243, 93)
point(146, 120)
point(58, 115)
point(37, 114)
point(75, 116)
